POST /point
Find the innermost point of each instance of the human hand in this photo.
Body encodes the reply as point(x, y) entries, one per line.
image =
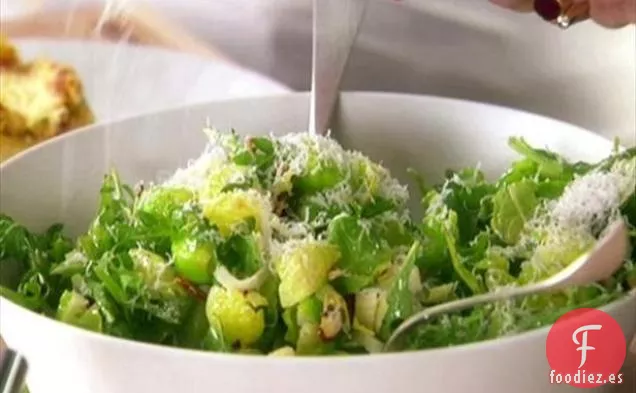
point(608, 13)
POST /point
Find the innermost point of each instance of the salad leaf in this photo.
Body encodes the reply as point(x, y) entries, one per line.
point(20, 299)
point(401, 302)
point(323, 177)
point(549, 164)
point(75, 309)
point(193, 332)
point(139, 283)
point(310, 343)
point(320, 173)
point(495, 270)
point(289, 317)
point(314, 210)
point(464, 192)
point(364, 252)
point(112, 226)
point(15, 240)
point(257, 151)
point(513, 207)
point(438, 219)
point(523, 169)
point(309, 311)
point(27, 261)
point(274, 334)
point(458, 262)
point(165, 204)
point(303, 269)
point(444, 256)
point(231, 211)
point(450, 328)
point(214, 339)
point(241, 254)
point(439, 294)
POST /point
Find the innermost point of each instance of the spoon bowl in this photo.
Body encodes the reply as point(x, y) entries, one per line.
point(607, 255)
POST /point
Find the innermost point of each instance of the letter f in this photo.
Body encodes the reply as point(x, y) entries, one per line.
point(583, 345)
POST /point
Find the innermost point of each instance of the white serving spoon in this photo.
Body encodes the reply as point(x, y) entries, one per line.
point(600, 263)
point(336, 25)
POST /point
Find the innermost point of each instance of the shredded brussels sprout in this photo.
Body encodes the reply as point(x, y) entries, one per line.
point(295, 246)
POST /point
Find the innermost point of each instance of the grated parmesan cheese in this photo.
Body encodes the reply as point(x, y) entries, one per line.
point(591, 200)
point(339, 196)
point(561, 229)
point(196, 173)
point(588, 202)
point(297, 151)
point(304, 144)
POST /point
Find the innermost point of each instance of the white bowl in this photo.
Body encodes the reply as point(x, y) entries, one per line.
point(59, 181)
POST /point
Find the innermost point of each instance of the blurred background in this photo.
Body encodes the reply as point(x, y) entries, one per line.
point(468, 49)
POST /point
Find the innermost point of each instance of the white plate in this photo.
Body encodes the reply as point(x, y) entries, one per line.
point(123, 80)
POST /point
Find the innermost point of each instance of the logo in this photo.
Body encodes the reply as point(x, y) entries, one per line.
point(586, 348)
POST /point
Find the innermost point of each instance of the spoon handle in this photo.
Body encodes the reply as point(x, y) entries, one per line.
point(507, 293)
point(600, 263)
point(335, 26)
point(13, 369)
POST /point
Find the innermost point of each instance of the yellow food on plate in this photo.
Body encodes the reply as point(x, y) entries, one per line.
point(39, 99)
point(8, 54)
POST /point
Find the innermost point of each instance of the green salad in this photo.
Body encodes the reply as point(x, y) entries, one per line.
point(293, 245)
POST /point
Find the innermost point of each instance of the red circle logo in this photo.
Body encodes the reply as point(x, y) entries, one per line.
point(586, 348)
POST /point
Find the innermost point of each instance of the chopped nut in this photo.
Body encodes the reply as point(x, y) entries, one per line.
point(139, 189)
point(249, 143)
point(331, 322)
point(335, 274)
